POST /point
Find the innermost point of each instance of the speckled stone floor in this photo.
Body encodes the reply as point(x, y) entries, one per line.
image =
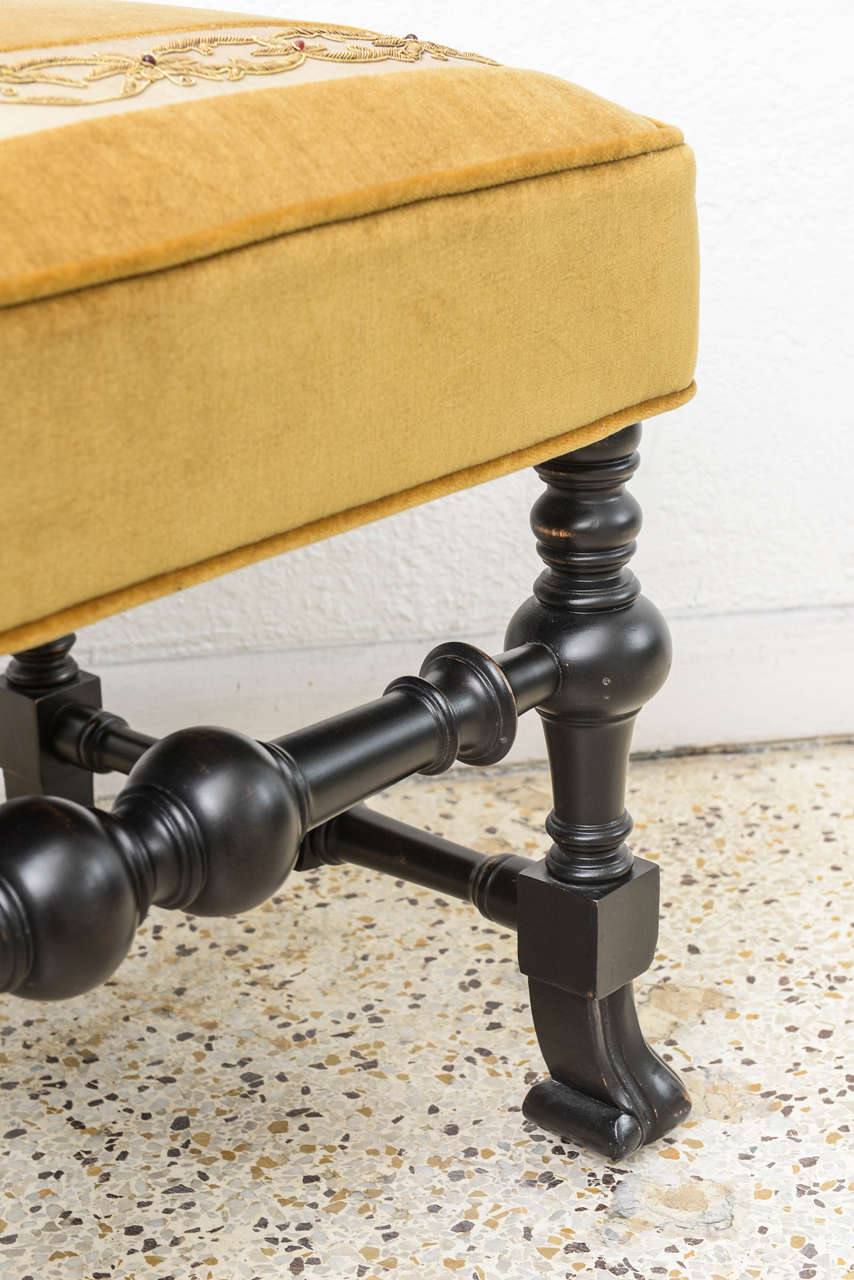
point(331, 1085)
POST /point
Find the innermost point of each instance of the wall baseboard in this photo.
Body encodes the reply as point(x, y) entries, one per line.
point(739, 678)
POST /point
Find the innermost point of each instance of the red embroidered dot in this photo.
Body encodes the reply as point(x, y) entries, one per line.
point(299, 44)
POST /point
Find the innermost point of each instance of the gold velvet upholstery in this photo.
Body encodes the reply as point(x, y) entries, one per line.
point(248, 308)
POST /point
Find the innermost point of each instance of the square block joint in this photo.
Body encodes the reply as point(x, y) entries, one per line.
point(587, 939)
point(25, 726)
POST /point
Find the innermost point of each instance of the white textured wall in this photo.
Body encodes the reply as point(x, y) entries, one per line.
point(748, 545)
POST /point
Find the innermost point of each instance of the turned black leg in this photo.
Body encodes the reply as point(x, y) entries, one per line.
point(212, 822)
point(36, 684)
point(588, 916)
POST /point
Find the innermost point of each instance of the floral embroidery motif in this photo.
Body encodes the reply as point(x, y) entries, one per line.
point(183, 62)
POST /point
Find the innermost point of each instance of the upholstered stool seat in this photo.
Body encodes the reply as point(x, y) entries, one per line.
point(261, 281)
point(255, 290)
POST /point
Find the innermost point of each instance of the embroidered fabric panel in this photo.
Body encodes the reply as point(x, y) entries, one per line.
point(50, 86)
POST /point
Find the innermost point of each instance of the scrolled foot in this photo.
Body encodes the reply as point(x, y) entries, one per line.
point(562, 1110)
point(608, 1089)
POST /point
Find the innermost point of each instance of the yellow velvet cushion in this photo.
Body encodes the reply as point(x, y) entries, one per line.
point(254, 290)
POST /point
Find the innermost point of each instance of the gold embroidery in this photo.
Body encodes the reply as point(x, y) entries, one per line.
point(181, 63)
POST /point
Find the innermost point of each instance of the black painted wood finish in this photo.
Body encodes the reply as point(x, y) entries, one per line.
point(380, 843)
point(211, 822)
point(36, 685)
point(614, 650)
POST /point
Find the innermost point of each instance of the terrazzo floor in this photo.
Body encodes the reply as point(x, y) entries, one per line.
point(331, 1085)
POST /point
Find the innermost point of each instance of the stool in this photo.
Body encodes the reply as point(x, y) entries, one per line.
point(262, 282)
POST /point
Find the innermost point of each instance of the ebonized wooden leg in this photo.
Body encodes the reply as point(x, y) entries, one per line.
point(212, 822)
point(35, 685)
point(607, 1088)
